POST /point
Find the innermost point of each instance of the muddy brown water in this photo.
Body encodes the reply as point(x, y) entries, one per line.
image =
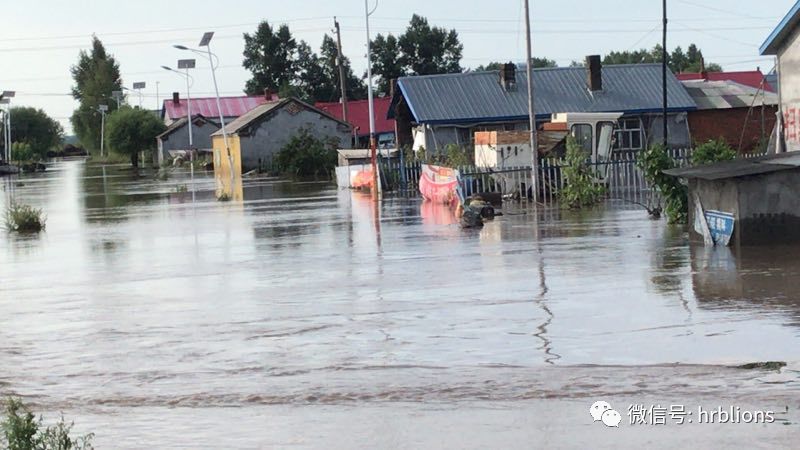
point(306, 318)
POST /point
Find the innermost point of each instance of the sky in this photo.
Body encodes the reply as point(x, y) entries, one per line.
point(40, 39)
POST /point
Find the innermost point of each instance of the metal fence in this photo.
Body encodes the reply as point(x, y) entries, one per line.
point(621, 175)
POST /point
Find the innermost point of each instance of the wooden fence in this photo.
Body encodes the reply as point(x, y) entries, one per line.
point(621, 175)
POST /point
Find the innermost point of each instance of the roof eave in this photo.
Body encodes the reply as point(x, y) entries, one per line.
point(779, 34)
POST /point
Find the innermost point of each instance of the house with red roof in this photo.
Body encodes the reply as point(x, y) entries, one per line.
point(753, 78)
point(232, 107)
point(358, 117)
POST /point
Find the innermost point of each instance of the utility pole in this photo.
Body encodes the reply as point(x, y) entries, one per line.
point(664, 70)
point(372, 143)
point(531, 111)
point(340, 63)
point(102, 109)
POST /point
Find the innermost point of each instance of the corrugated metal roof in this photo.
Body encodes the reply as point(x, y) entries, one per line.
point(244, 120)
point(478, 96)
point(752, 78)
point(740, 167)
point(231, 106)
point(358, 114)
point(726, 95)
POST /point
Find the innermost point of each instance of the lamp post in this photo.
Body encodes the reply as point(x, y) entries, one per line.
point(137, 87)
point(186, 64)
point(117, 96)
point(102, 109)
point(6, 151)
point(205, 41)
point(372, 143)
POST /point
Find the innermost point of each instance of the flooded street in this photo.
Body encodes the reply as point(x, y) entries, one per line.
point(157, 317)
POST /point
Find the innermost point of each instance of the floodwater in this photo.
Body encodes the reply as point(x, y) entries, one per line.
point(304, 317)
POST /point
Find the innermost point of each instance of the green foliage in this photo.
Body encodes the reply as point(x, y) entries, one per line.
point(22, 431)
point(305, 156)
point(24, 218)
point(22, 151)
point(421, 50)
point(35, 128)
point(269, 56)
point(580, 190)
point(281, 64)
point(96, 76)
point(678, 61)
point(538, 63)
point(654, 161)
point(714, 150)
point(132, 130)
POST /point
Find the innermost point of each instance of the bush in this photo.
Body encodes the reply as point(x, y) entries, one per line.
point(714, 150)
point(24, 219)
point(133, 130)
point(21, 151)
point(22, 431)
point(580, 190)
point(653, 162)
point(306, 156)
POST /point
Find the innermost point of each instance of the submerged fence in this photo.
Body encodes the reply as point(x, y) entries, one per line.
point(621, 175)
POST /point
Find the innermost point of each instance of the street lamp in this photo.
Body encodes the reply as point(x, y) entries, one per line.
point(117, 96)
point(6, 150)
point(102, 109)
point(372, 143)
point(205, 41)
point(137, 87)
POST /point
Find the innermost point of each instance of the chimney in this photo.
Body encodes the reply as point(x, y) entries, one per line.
point(594, 73)
point(703, 73)
point(508, 77)
point(176, 98)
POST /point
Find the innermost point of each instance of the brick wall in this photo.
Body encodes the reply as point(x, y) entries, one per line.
point(728, 124)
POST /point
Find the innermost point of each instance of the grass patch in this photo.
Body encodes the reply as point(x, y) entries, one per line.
point(21, 430)
point(24, 219)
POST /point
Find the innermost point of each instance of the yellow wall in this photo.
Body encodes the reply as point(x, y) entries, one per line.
point(222, 169)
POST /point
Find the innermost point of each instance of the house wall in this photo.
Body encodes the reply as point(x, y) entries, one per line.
point(227, 183)
point(179, 139)
point(272, 134)
point(728, 124)
point(789, 75)
point(769, 208)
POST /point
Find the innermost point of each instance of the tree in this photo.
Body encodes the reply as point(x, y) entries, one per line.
point(329, 52)
point(538, 63)
point(386, 63)
point(132, 130)
point(678, 61)
point(314, 81)
point(429, 50)
point(269, 56)
point(34, 127)
point(96, 76)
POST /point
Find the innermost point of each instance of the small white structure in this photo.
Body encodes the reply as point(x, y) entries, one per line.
point(501, 149)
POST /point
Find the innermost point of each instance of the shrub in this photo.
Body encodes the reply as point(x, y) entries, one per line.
point(22, 431)
point(306, 156)
point(133, 130)
point(714, 150)
point(24, 218)
point(21, 151)
point(580, 190)
point(653, 162)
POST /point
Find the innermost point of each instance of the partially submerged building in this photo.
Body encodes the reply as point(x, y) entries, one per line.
point(753, 201)
point(174, 140)
point(258, 135)
point(435, 110)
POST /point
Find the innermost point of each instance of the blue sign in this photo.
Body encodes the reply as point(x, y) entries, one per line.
point(720, 224)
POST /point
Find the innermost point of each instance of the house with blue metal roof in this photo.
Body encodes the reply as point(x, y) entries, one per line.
point(436, 110)
point(782, 42)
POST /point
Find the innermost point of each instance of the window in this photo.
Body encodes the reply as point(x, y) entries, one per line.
point(582, 132)
point(628, 135)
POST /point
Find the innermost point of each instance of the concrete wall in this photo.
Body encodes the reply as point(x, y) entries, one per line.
point(179, 139)
point(728, 124)
point(271, 135)
point(789, 75)
point(769, 208)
